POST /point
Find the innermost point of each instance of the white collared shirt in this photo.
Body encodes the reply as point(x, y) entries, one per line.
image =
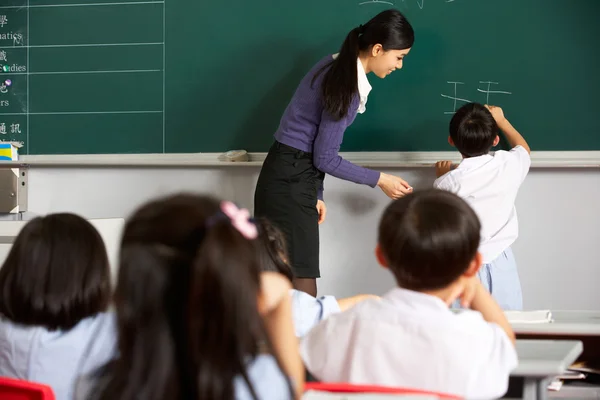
point(490, 183)
point(364, 87)
point(410, 339)
point(308, 311)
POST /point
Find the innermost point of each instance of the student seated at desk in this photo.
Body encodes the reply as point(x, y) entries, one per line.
point(54, 294)
point(410, 337)
point(196, 318)
point(307, 310)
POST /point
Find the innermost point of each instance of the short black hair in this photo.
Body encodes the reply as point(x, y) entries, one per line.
point(473, 130)
point(272, 248)
point(56, 273)
point(428, 239)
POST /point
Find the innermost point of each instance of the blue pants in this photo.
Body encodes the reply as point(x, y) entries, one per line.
point(501, 279)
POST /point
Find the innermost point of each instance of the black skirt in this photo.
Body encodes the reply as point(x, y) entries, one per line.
point(286, 194)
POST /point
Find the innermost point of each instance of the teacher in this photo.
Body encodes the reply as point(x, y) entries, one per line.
point(289, 191)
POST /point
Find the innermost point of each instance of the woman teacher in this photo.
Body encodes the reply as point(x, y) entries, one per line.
point(289, 191)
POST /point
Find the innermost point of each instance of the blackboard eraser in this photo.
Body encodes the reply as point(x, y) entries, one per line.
point(235, 156)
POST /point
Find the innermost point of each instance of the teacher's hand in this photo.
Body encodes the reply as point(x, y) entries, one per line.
point(322, 210)
point(393, 186)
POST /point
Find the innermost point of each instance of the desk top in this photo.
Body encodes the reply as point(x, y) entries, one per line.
point(583, 323)
point(545, 358)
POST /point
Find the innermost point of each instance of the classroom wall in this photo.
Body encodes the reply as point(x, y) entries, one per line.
point(559, 216)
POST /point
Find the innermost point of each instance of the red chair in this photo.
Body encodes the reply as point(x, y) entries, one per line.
point(15, 389)
point(349, 388)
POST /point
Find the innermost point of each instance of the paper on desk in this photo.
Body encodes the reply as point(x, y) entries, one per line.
point(529, 317)
point(555, 385)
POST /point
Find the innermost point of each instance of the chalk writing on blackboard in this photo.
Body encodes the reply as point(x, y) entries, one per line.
point(484, 87)
point(455, 98)
point(420, 3)
point(487, 91)
point(376, 2)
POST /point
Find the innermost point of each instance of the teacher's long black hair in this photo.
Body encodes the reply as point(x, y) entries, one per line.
point(390, 29)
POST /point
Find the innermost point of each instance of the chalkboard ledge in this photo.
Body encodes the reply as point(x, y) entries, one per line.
point(540, 159)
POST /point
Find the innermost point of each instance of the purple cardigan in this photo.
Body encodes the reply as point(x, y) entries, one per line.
point(306, 126)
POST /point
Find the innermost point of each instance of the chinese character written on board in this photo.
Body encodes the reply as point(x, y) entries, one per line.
point(455, 98)
point(3, 21)
point(2, 128)
point(487, 91)
point(484, 87)
point(15, 128)
point(3, 55)
point(3, 88)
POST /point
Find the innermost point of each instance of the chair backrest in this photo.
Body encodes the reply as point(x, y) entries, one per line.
point(15, 389)
point(313, 389)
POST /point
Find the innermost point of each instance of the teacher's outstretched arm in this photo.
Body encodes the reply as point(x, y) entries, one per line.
point(326, 159)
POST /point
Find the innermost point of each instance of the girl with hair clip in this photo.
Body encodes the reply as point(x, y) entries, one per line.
point(196, 318)
point(307, 310)
point(289, 191)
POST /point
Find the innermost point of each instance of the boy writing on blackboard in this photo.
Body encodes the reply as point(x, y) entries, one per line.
point(489, 183)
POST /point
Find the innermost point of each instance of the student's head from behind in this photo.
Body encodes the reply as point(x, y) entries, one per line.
point(186, 300)
point(429, 240)
point(381, 43)
point(272, 249)
point(473, 130)
point(56, 273)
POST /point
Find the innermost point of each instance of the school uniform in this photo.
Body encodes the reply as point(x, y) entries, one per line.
point(490, 183)
point(411, 339)
point(57, 358)
point(305, 149)
point(308, 311)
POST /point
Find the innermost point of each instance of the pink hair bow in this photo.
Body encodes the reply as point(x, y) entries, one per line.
point(240, 219)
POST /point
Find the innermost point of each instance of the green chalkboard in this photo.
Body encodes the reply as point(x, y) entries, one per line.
point(110, 76)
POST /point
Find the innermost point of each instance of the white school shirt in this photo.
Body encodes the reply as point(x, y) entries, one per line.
point(308, 311)
point(490, 183)
point(410, 339)
point(364, 87)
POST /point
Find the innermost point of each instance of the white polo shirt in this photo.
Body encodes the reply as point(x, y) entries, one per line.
point(490, 183)
point(308, 311)
point(410, 339)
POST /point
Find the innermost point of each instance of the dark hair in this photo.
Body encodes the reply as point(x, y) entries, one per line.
point(272, 249)
point(429, 238)
point(390, 29)
point(186, 301)
point(473, 130)
point(56, 273)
